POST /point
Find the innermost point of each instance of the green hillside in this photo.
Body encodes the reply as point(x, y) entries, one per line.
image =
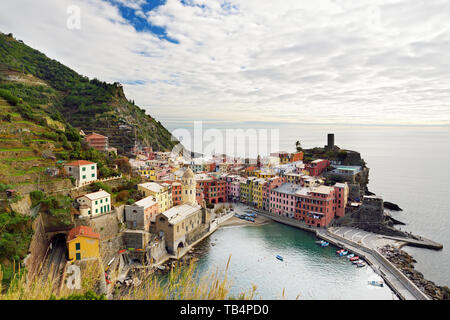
point(91, 105)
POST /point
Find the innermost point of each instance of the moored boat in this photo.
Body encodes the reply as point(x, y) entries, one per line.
point(343, 253)
point(279, 257)
point(355, 258)
point(351, 255)
point(324, 244)
point(376, 283)
point(339, 251)
point(357, 261)
point(360, 265)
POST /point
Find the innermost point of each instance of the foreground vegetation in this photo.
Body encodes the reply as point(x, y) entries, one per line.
point(182, 283)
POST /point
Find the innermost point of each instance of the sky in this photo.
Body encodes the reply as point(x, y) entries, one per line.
point(287, 61)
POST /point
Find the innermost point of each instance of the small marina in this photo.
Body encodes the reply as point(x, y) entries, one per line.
point(276, 257)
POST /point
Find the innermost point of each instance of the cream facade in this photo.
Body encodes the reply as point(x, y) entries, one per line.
point(94, 204)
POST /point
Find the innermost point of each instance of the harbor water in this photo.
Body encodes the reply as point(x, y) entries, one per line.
point(308, 271)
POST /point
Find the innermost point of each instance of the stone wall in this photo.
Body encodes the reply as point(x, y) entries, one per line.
point(53, 187)
point(109, 229)
point(38, 248)
point(23, 206)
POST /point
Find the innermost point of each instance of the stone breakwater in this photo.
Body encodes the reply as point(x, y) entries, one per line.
point(405, 263)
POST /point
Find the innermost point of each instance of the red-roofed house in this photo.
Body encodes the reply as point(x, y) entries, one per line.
point(83, 171)
point(97, 141)
point(83, 243)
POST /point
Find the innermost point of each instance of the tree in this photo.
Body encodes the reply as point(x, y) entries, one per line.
point(298, 146)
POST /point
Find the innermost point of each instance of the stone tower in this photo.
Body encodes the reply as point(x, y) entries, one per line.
point(188, 187)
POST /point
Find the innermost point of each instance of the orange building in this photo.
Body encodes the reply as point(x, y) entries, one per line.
point(296, 156)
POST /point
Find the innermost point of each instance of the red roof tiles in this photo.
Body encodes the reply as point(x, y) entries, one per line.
point(82, 231)
point(79, 163)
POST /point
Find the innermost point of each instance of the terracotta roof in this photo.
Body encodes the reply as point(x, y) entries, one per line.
point(79, 163)
point(95, 135)
point(82, 231)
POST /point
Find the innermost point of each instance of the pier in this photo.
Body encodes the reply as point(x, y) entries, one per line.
point(364, 244)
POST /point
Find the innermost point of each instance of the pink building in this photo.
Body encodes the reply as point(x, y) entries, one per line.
point(271, 184)
point(283, 199)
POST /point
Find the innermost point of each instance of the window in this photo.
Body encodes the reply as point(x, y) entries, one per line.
point(77, 246)
point(78, 256)
point(83, 169)
point(84, 176)
point(92, 167)
point(93, 175)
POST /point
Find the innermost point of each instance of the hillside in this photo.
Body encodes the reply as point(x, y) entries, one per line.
point(90, 105)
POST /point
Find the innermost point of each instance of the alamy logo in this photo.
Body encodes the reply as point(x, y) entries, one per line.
point(74, 278)
point(74, 19)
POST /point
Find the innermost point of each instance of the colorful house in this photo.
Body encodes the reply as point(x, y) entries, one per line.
point(83, 243)
point(257, 194)
point(94, 204)
point(161, 192)
point(316, 167)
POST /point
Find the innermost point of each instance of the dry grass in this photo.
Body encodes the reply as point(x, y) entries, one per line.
point(182, 283)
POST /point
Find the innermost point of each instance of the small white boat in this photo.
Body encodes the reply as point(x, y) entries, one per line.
point(376, 283)
point(351, 255)
point(358, 261)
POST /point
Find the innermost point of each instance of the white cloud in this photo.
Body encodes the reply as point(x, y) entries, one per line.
point(318, 61)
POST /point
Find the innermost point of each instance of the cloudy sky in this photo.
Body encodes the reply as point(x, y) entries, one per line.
point(321, 61)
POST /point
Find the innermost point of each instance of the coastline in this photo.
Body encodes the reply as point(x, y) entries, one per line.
point(236, 222)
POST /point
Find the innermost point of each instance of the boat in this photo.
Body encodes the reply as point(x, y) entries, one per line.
point(357, 261)
point(351, 255)
point(360, 265)
point(279, 257)
point(324, 244)
point(376, 283)
point(343, 253)
point(249, 219)
point(339, 251)
point(355, 258)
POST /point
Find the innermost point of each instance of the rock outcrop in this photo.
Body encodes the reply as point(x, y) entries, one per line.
point(405, 263)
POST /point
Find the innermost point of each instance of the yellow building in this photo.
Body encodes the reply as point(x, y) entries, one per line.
point(161, 192)
point(83, 243)
point(257, 192)
point(246, 192)
point(148, 173)
point(266, 174)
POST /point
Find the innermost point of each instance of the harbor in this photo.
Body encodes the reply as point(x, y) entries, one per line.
point(366, 248)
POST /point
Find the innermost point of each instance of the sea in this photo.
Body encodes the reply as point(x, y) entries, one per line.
point(408, 166)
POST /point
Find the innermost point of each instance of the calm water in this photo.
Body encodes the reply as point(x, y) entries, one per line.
point(308, 270)
point(408, 166)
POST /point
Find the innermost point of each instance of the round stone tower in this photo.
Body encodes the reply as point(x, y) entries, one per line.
point(188, 187)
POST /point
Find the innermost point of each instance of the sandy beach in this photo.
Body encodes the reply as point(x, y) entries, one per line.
point(233, 221)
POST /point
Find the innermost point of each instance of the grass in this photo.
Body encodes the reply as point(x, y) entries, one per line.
point(15, 149)
point(182, 284)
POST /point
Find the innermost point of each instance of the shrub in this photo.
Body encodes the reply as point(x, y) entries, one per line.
point(7, 95)
point(98, 185)
point(36, 196)
point(123, 195)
